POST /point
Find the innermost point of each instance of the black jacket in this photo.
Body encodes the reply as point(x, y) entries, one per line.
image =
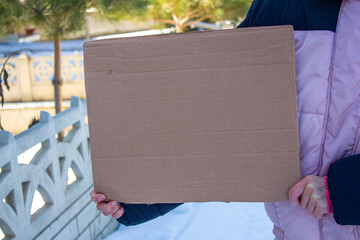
point(344, 187)
point(139, 213)
point(301, 14)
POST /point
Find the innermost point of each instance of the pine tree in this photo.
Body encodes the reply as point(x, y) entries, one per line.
point(57, 18)
point(180, 13)
point(11, 16)
point(183, 13)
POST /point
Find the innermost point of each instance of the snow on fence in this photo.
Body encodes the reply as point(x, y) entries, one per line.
point(45, 184)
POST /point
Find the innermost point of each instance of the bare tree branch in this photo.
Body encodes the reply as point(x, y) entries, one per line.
point(184, 20)
point(194, 12)
point(197, 20)
point(196, 15)
point(166, 21)
point(10, 55)
point(176, 19)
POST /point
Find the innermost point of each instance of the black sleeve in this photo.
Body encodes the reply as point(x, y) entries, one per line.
point(344, 188)
point(301, 14)
point(139, 213)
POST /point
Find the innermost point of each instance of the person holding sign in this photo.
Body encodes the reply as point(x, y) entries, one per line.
point(328, 56)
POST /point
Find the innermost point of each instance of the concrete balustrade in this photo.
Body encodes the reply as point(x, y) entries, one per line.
point(30, 78)
point(39, 200)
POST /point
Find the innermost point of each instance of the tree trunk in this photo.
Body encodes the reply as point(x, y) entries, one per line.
point(87, 32)
point(179, 28)
point(178, 23)
point(57, 81)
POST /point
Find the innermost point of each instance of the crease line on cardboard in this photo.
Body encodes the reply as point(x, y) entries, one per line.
point(206, 53)
point(194, 69)
point(208, 132)
point(196, 154)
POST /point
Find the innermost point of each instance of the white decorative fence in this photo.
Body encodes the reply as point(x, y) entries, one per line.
point(30, 78)
point(46, 195)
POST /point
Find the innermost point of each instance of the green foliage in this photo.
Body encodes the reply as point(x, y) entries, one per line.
point(56, 17)
point(210, 10)
point(11, 16)
point(164, 9)
point(122, 9)
point(231, 9)
point(181, 13)
point(60, 17)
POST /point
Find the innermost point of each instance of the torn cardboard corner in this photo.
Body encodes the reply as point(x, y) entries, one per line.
point(194, 117)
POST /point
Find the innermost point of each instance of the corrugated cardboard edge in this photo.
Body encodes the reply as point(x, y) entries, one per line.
point(89, 45)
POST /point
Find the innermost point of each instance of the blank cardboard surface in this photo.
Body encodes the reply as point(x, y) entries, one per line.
point(194, 117)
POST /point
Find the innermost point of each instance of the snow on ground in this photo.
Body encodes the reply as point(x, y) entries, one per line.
point(204, 221)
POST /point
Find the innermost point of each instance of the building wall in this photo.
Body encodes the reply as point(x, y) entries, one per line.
point(16, 117)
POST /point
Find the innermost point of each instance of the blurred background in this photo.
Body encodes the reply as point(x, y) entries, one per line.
point(41, 40)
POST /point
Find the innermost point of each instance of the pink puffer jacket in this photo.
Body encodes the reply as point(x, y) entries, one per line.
point(328, 81)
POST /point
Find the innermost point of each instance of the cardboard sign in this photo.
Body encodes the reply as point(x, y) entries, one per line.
point(194, 117)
